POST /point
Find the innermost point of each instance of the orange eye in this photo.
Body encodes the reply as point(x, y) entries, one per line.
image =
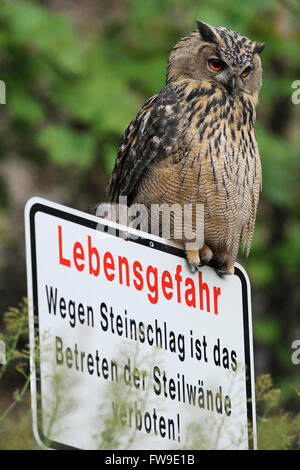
point(246, 72)
point(216, 65)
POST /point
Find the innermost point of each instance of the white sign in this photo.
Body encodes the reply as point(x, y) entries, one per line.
point(129, 349)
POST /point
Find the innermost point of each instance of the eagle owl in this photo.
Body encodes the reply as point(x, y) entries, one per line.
point(194, 142)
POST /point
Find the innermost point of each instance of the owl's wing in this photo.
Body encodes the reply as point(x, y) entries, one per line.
point(150, 136)
point(248, 229)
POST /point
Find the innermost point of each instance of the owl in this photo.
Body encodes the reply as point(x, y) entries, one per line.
point(194, 142)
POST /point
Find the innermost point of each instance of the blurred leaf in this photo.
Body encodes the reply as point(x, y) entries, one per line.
point(274, 433)
point(25, 107)
point(289, 252)
point(267, 330)
point(260, 271)
point(280, 178)
point(65, 146)
point(109, 156)
point(34, 28)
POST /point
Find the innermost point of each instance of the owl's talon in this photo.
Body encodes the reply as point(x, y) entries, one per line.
point(195, 267)
point(192, 268)
point(193, 260)
point(205, 255)
point(127, 237)
point(226, 269)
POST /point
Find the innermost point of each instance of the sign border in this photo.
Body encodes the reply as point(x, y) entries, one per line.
point(35, 205)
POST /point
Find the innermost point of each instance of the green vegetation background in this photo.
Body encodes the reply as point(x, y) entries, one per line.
point(76, 73)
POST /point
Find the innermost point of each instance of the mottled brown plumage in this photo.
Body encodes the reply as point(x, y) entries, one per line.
point(194, 141)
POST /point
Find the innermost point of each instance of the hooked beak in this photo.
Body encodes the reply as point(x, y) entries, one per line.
point(230, 85)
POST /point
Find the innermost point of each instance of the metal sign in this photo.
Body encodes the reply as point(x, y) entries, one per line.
point(129, 350)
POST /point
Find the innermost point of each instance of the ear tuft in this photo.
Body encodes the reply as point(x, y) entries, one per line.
point(206, 32)
point(259, 47)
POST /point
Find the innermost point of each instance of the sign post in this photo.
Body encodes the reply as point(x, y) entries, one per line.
point(129, 350)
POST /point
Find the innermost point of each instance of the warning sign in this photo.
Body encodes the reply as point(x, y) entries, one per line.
point(130, 350)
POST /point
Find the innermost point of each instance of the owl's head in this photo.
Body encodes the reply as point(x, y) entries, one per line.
point(220, 56)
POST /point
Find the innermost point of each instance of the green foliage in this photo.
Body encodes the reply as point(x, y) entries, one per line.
point(267, 330)
point(266, 394)
point(277, 429)
point(65, 145)
point(15, 321)
point(15, 423)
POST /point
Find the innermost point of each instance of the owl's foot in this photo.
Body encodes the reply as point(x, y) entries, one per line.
point(193, 259)
point(226, 269)
point(206, 254)
point(222, 264)
point(198, 258)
